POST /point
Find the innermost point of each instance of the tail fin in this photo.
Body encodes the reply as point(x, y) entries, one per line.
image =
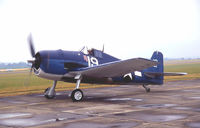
point(157, 56)
point(155, 70)
point(155, 74)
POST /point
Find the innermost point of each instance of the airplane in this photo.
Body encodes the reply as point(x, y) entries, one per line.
point(95, 67)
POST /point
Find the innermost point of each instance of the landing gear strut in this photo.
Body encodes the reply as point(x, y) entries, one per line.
point(50, 93)
point(77, 94)
point(146, 88)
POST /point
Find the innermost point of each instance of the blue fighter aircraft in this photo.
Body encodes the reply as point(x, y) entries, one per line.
point(95, 66)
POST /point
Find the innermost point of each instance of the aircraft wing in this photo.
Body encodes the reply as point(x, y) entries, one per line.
point(157, 74)
point(116, 68)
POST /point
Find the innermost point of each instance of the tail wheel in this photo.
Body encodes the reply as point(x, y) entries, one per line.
point(77, 95)
point(148, 90)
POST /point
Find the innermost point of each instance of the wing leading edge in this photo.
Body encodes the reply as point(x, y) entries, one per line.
point(116, 68)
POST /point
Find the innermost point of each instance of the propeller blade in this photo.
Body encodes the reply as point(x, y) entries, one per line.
point(31, 70)
point(32, 49)
point(28, 78)
point(31, 61)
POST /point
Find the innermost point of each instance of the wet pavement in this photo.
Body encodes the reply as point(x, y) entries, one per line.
point(175, 104)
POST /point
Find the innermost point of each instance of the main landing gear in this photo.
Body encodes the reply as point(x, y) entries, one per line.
point(76, 95)
point(50, 93)
point(146, 88)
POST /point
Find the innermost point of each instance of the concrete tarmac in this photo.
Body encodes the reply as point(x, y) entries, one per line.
point(174, 104)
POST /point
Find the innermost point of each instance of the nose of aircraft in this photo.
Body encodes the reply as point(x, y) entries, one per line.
point(37, 61)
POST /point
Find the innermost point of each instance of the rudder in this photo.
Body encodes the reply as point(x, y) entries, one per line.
point(157, 56)
point(158, 79)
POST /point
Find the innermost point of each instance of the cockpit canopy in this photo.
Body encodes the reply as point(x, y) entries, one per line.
point(92, 52)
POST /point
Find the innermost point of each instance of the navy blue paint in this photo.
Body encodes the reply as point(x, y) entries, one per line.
point(157, 56)
point(53, 62)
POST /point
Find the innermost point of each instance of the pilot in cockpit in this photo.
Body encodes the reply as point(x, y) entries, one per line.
point(87, 51)
point(90, 51)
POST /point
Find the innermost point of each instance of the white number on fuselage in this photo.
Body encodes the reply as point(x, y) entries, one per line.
point(92, 61)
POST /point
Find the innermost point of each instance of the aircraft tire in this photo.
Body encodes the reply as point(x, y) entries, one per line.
point(48, 96)
point(148, 90)
point(77, 95)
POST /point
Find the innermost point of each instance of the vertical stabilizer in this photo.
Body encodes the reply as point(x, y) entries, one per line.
point(157, 56)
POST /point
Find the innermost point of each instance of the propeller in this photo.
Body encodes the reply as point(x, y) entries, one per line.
point(32, 49)
point(37, 60)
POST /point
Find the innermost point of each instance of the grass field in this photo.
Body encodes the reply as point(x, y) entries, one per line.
point(192, 67)
point(19, 82)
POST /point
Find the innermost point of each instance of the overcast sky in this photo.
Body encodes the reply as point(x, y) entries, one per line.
point(127, 28)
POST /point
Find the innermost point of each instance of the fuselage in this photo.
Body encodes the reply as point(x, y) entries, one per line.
point(57, 65)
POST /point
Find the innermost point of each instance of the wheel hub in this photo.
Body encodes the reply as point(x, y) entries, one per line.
point(78, 95)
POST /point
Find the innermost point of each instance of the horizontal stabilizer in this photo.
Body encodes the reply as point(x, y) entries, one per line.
point(157, 74)
point(174, 73)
